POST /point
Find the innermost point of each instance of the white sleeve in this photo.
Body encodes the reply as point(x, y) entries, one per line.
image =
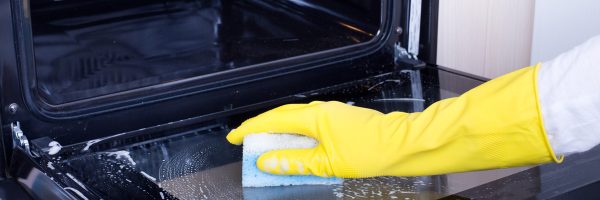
point(569, 95)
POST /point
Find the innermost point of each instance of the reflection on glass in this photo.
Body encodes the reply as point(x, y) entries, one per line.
point(86, 49)
point(201, 164)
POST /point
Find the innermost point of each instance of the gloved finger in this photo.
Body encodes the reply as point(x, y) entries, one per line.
point(291, 118)
point(295, 162)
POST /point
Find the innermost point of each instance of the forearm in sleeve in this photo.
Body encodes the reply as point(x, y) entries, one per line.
point(569, 95)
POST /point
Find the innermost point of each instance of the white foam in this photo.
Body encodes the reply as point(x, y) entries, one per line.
point(90, 143)
point(54, 147)
point(262, 142)
point(49, 164)
point(122, 154)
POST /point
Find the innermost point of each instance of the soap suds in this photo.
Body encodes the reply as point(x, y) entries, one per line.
point(380, 188)
point(122, 154)
point(90, 143)
point(183, 175)
point(49, 165)
point(54, 147)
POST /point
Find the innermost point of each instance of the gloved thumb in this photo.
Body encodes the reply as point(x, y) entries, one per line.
point(296, 162)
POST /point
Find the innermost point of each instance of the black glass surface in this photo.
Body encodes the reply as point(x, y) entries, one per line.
point(200, 164)
point(86, 49)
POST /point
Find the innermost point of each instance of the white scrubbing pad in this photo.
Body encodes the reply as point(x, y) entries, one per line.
point(256, 144)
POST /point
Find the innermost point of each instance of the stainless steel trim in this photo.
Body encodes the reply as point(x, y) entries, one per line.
point(19, 139)
point(414, 27)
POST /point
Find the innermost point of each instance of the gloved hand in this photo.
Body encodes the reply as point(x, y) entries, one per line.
point(495, 125)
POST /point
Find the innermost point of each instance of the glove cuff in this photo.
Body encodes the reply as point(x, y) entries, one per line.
point(556, 159)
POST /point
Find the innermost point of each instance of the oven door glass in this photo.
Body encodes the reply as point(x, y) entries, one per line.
point(85, 49)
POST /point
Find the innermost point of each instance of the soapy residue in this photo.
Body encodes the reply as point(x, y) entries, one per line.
point(381, 188)
point(104, 173)
point(49, 165)
point(181, 175)
point(90, 143)
point(54, 147)
point(122, 154)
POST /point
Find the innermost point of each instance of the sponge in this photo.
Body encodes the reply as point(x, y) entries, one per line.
point(256, 144)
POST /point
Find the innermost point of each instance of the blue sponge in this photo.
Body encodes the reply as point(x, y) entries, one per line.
point(256, 144)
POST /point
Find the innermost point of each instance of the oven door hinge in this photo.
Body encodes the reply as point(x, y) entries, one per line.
point(18, 138)
point(405, 59)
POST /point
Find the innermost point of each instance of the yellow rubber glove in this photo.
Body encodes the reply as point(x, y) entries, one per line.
point(495, 125)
